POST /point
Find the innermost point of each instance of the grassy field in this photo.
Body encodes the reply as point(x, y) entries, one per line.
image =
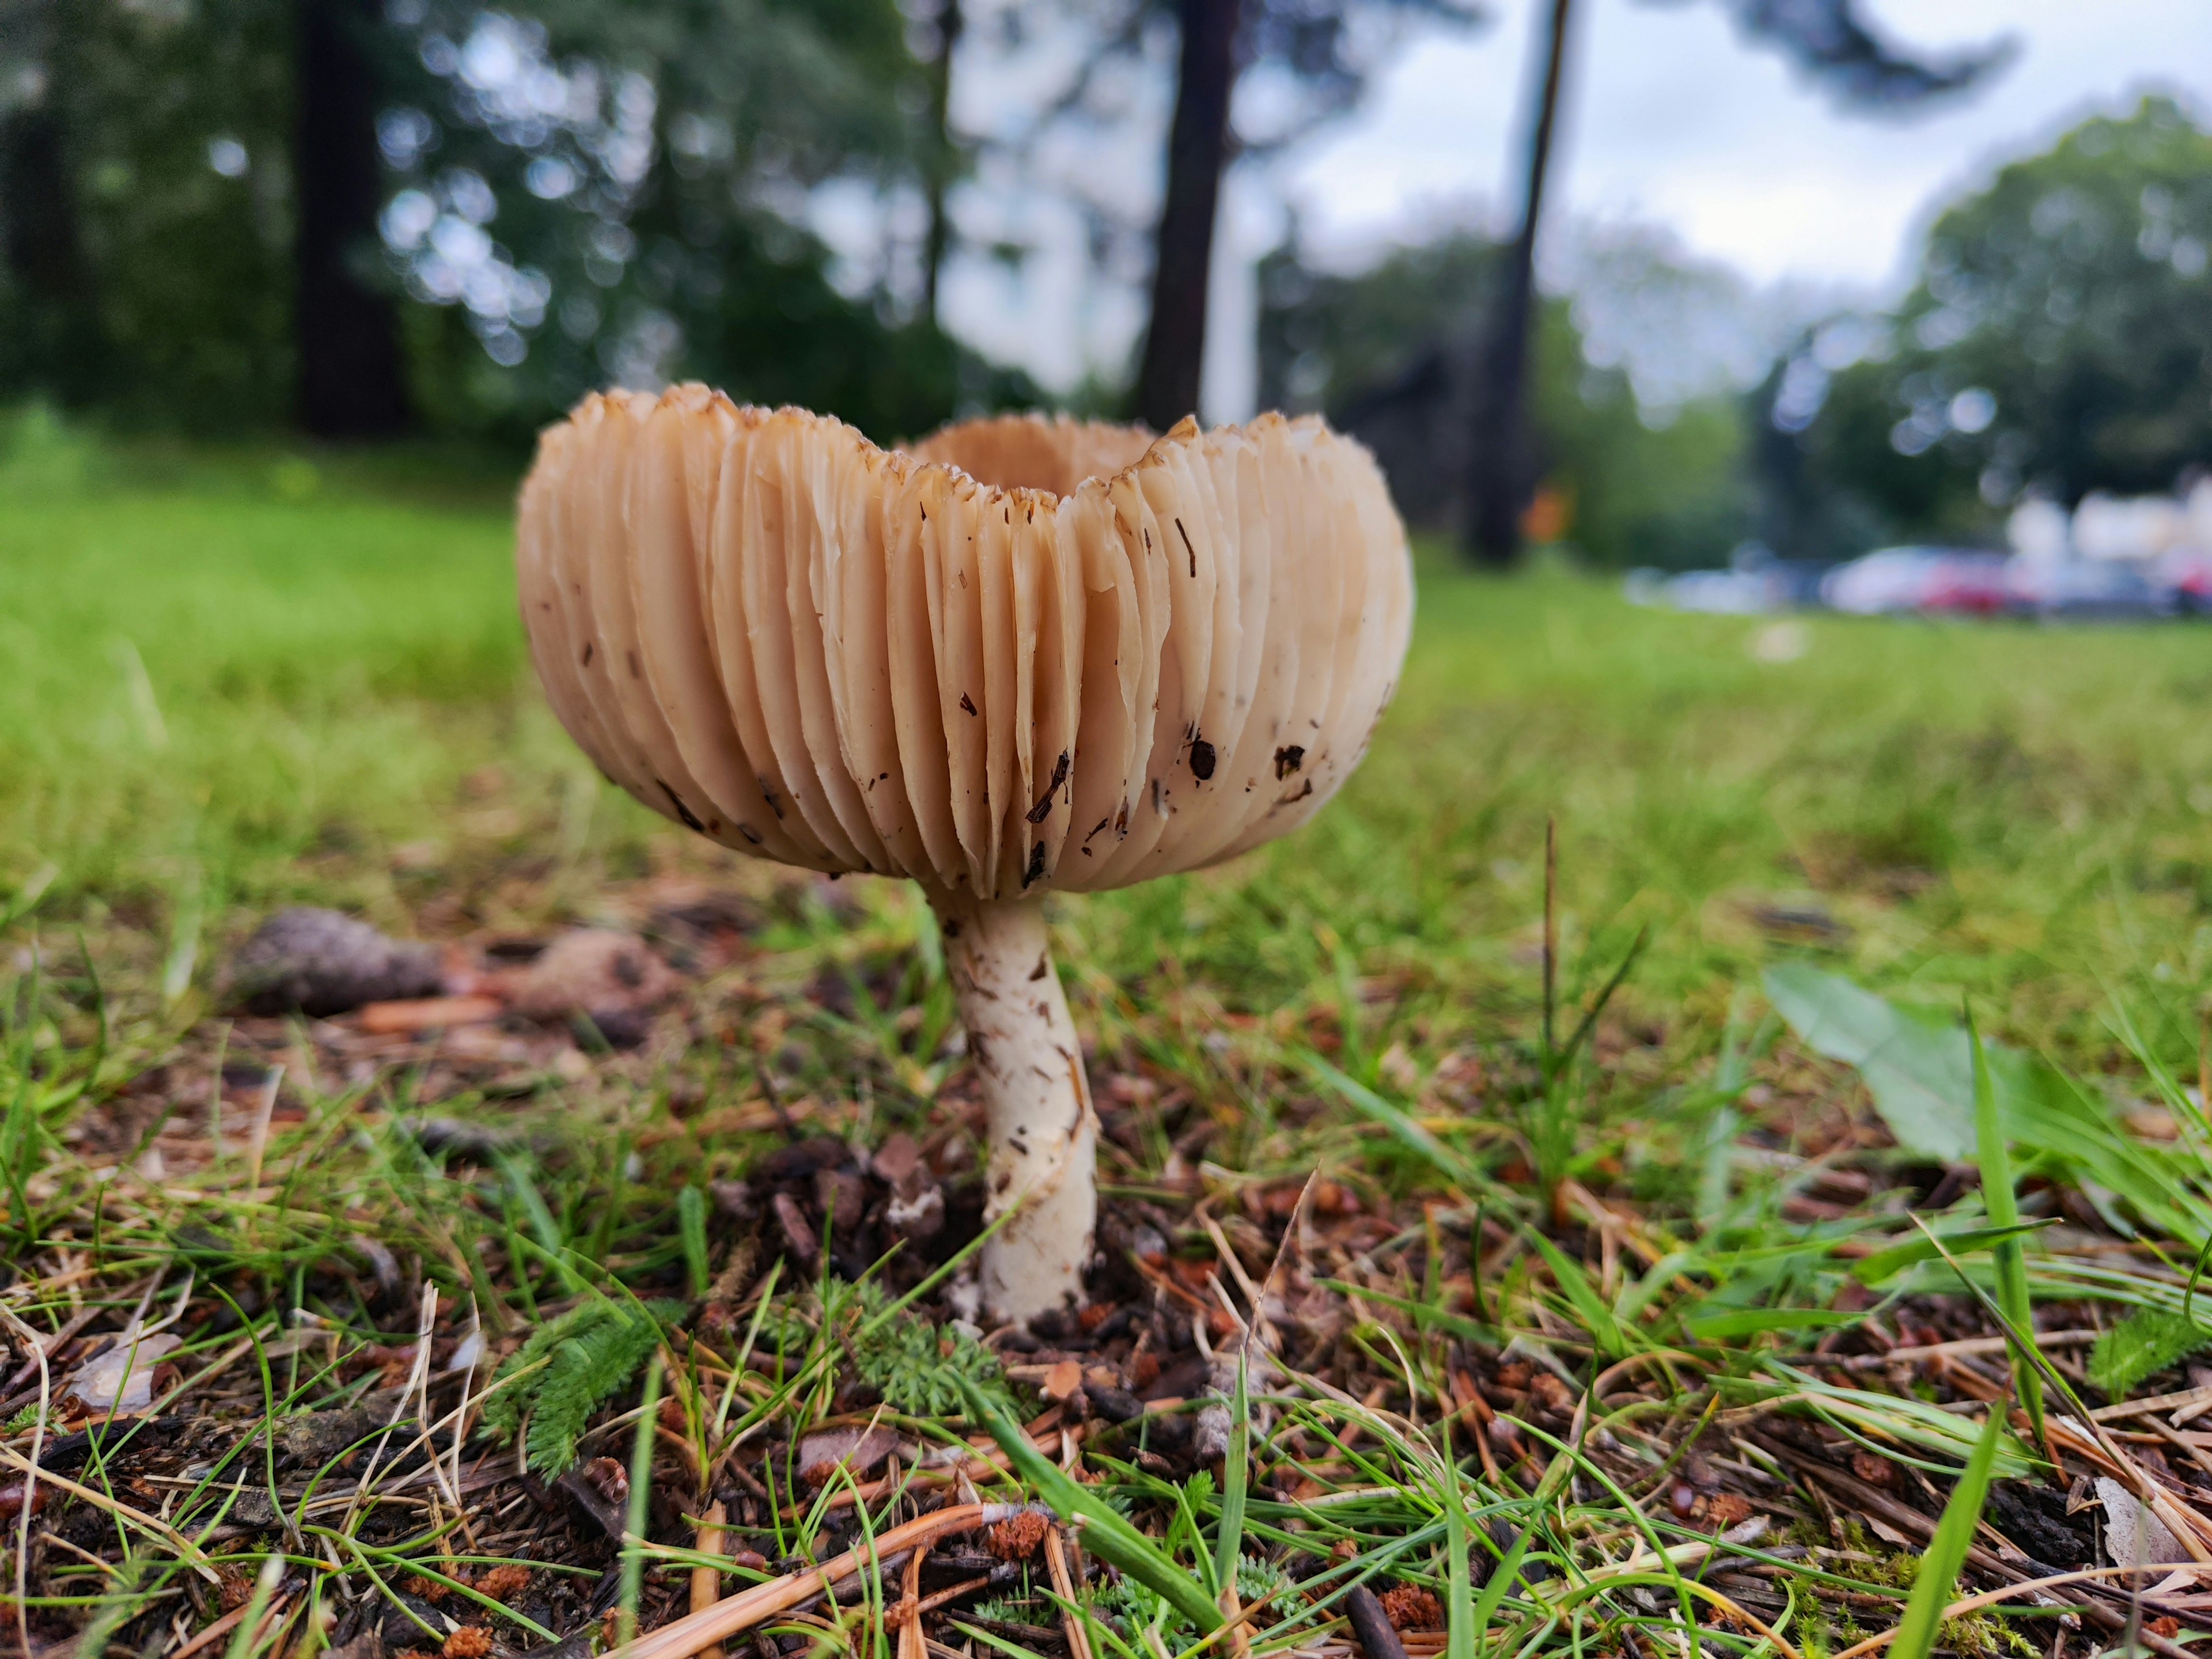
point(220, 698)
point(1589, 1311)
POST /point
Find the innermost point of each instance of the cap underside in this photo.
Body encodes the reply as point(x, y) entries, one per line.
point(1023, 654)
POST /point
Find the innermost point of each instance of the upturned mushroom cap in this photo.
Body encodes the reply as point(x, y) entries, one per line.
point(1024, 655)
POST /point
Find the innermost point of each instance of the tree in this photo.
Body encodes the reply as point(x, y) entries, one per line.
point(1329, 49)
point(1832, 46)
point(2058, 340)
point(54, 340)
point(1381, 355)
point(146, 191)
point(352, 381)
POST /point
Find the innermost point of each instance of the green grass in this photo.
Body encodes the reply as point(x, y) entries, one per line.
point(221, 697)
point(235, 684)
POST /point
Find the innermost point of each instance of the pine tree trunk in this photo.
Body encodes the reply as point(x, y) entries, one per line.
point(56, 348)
point(942, 162)
point(1501, 472)
point(352, 382)
point(1198, 152)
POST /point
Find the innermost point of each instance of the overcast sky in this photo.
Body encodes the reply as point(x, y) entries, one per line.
point(1671, 121)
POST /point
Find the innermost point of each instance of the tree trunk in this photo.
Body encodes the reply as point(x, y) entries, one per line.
point(946, 154)
point(56, 348)
point(352, 383)
point(1198, 151)
point(1500, 470)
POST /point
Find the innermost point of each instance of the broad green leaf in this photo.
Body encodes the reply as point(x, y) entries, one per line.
point(1921, 1077)
point(1229, 1538)
point(1589, 1307)
point(1446, 1162)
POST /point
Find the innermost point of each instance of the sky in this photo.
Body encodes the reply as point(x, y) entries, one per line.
point(1671, 121)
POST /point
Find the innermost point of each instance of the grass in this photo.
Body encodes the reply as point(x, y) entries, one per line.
point(1553, 1325)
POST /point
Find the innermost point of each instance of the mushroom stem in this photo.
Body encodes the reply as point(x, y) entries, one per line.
point(1044, 1136)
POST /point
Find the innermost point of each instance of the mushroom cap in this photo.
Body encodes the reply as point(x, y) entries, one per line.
point(1023, 654)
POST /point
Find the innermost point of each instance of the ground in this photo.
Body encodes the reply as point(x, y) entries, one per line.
point(1600, 1297)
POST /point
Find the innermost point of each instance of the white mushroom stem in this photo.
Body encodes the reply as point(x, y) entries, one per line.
point(1044, 1136)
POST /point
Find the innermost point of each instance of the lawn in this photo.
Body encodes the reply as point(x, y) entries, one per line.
point(220, 699)
point(239, 683)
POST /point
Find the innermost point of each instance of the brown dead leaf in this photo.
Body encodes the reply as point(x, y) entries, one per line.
point(1063, 1379)
point(821, 1454)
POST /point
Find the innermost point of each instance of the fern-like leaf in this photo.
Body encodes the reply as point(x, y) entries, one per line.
point(2143, 1344)
point(590, 1352)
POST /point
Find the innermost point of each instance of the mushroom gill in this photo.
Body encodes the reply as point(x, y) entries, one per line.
point(1022, 655)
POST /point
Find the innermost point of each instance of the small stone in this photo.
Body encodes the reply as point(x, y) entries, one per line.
point(610, 978)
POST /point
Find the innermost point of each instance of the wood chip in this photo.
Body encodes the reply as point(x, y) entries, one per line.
point(428, 1014)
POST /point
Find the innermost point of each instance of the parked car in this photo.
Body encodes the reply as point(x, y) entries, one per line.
point(1898, 581)
point(2089, 588)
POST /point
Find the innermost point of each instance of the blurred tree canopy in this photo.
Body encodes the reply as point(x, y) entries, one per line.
point(570, 194)
point(2058, 341)
point(1384, 355)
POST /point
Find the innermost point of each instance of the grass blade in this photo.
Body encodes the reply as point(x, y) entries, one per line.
point(1105, 1534)
point(1946, 1551)
point(641, 1504)
point(691, 1222)
point(2003, 1207)
point(1459, 1577)
point(1229, 1539)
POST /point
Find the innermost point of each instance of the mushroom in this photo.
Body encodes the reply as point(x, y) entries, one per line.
point(1023, 656)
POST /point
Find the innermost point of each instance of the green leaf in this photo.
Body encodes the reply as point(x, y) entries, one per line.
point(1229, 1538)
point(1946, 1551)
point(1105, 1533)
point(1921, 1077)
point(1447, 1163)
point(2003, 1207)
point(691, 1223)
point(1888, 1263)
point(2143, 1344)
point(1589, 1307)
point(1713, 1322)
point(1425, 1316)
point(1459, 1577)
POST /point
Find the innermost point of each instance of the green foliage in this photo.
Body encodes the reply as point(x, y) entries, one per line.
point(587, 1354)
point(1127, 1605)
point(2059, 338)
point(2141, 1345)
point(1640, 486)
point(1919, 1630)
point(1107, 1533)
point(166, 292)
point(915, 1367)
point(692, 1223)
point(661, 228)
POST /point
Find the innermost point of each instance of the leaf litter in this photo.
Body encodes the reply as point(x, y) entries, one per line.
point(521, 1334)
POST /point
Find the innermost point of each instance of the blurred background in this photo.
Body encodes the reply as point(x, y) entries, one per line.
point(1667, 282)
